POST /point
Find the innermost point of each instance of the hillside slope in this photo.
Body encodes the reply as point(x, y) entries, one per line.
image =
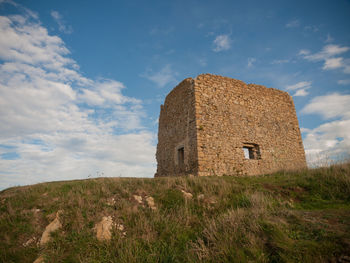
point(284, 217)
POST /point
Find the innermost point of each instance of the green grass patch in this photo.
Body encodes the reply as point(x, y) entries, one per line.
point(284, 217)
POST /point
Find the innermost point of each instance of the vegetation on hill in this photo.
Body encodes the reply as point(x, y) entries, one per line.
point(284, 217)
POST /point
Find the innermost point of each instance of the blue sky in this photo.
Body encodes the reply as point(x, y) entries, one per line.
point(81, 82)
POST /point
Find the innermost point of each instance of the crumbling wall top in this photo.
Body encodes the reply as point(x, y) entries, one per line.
point(222, 79)
point(179, 86)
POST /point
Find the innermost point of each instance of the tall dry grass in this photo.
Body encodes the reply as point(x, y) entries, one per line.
point(284, 217)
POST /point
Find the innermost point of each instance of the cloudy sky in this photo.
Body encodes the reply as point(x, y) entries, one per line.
point(81, 82)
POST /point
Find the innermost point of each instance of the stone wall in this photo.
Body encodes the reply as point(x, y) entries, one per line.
point(215, 117)
point(231, 114)
point(177, 129)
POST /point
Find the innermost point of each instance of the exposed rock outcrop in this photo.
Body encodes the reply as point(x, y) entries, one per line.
point(104, 229)
point(150, 203)
point(53, 226)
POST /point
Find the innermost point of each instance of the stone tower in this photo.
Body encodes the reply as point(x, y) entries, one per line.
point(214, 125)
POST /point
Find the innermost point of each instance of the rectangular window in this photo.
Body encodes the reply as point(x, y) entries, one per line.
point(251, 151)
point(246, 152)
point(181, 156)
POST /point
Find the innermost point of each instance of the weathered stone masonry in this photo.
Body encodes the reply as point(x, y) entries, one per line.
point(214, 125)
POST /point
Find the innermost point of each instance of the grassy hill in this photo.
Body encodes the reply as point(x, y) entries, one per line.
point(283, 217)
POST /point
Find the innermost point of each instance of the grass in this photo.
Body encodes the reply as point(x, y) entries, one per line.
point(284, 217)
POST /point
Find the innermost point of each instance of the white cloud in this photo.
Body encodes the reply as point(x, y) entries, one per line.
point(330, 56)
point(299, 85)
point(344, 81)
point(328, 51)
point(333, 63)
point(333, 50)
point(61, 23)
point(222, 43)
point(26, 11)
point(163, 77)
point(304, 130)
point(300, 88)
point(301, 93)
point(106, 93)
point(304, 52)
point(250, 62)
point(61, 124)
point(329, 106)
point(330, 140)
point(293, 23)
point(347, 66)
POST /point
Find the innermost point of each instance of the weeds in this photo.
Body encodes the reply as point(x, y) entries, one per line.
point(284, 217)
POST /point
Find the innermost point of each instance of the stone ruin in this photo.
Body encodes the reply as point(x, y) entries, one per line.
point(214, 125)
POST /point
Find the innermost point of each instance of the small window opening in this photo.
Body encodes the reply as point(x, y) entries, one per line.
point(181, 156)
point(247, 152)
point(251, 151)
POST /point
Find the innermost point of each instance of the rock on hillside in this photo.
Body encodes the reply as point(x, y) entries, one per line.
point(291, 217)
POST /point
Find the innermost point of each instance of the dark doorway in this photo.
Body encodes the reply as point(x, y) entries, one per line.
point(181, 156)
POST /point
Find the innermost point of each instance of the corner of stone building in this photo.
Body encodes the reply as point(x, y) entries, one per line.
point(166, 145)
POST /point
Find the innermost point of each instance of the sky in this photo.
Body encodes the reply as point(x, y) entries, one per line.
point(81, 82)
